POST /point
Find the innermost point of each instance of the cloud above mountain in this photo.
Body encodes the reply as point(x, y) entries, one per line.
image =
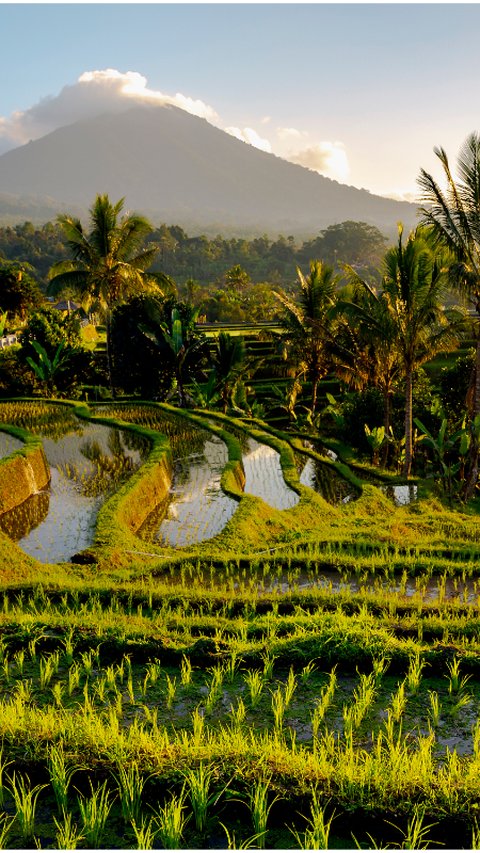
point(99, 91)
point(93, 93)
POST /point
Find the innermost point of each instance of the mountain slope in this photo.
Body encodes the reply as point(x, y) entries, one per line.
point(178, 168)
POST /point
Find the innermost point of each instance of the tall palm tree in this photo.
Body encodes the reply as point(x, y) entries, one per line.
point(108, 262)
point(414, 284)
point(454, 217)
point(307, 322)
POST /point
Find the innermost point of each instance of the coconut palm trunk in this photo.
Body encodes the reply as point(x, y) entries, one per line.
point(407, 465)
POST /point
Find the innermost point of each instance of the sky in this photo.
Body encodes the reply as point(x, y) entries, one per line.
point(359, 92)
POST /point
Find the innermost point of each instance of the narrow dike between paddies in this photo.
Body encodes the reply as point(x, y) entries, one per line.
point(87, 461)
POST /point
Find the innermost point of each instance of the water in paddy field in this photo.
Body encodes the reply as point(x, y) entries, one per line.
point(197, 508)
point(264, 476)
point(87, 463)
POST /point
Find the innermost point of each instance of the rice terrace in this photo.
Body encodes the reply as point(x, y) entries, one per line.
point(239, 533)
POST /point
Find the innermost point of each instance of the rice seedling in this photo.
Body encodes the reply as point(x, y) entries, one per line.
point(74, 675)
point(233, 844)
point(289, 687)
point(308, 670)
point(260, 808)
point(435, 708)
point(25, 799)
point(254, 680)
point(131, 783)
point(3, 767)
point(232, 665)
point(171, 686)
point(461, 701)
point(60, 775)
point(144, 833)
point(186, 671)
point(317, 833)
point(6, 668)
point(278, 709)
point(380, 666)
point(68, 836)
point(398, 702)
point(131, 690)
point(69, 646)
point(238, 714)
point(414, 674)
point(58, 692)
point(475, 843)
point(171, 822)
point(6, 824)
point(94, 812)
point(23, 691)
point(268, 664)
point(87, 662)
point(215, 688)
point(198, 725)
point(19, 658)
point(415, 835)
point(456, 684)
point(197, 784)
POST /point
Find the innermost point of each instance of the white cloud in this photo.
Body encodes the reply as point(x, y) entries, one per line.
point(93, 93)
point(249, 135)
point(327, 158)
point(287, 134)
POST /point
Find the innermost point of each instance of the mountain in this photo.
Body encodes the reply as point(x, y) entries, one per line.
point(177, 168)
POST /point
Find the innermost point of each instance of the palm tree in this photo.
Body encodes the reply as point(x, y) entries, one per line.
point(108, 262)
point(365, 349)
point(414, 284)
point(454, 217)
point(307, 322)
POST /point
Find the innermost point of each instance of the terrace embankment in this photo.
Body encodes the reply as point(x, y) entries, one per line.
point(23, 473)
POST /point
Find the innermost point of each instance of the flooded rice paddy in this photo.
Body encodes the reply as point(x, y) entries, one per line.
point(87, 462)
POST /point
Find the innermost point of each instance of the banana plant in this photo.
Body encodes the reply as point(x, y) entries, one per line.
point(47, 369)
point(376, 438)
point(449, 452)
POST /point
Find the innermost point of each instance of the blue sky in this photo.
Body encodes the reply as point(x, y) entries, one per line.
point(361, 92)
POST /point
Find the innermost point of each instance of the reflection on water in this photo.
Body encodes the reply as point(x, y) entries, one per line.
point(264, 476)
point(197, 508)
point(324, 480)
point(69, 525)
point(401, 495)
point(87, 462)
point(18, 522)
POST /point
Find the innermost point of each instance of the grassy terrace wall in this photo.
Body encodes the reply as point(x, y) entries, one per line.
point(23, 472)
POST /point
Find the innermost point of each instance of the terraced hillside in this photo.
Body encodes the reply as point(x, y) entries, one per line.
point(296, 665)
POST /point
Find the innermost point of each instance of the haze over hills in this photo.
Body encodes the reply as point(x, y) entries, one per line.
point(177, 168)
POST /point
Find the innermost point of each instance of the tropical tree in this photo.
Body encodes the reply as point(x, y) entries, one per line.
point(454, 217)
point(414, 285)
point(19, 291)
point(308, 325)
point(171, 328)
point(364, 348)
point(109, 261)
